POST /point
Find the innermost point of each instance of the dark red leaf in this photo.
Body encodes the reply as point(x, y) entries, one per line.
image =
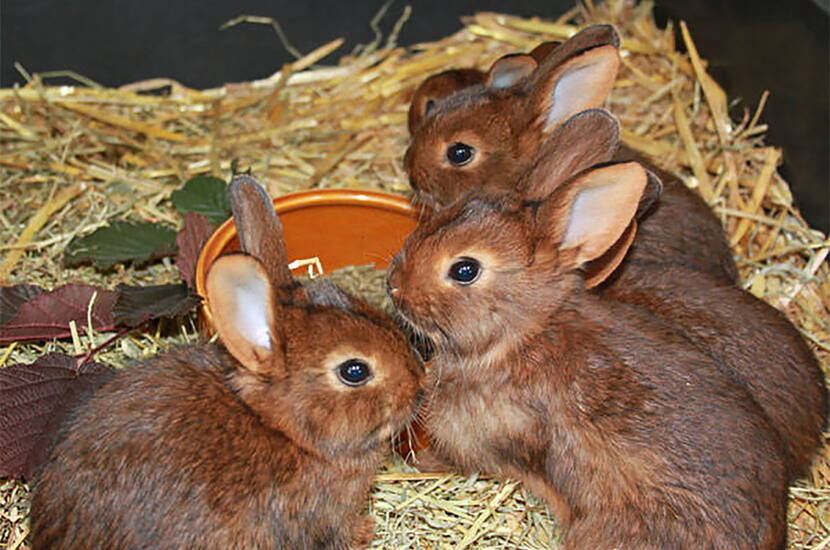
point(12, 297)
point(49, 314)
point(34, 402)
point(137, 304)
point(190, 241)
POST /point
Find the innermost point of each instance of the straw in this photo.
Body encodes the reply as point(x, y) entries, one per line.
point(344, 125)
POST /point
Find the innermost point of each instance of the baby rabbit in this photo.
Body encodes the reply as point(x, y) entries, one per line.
point(754, 343)
point(270, 444)
point(635, 438)
point(485, 135)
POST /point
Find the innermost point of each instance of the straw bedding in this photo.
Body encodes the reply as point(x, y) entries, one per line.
point(75, 158)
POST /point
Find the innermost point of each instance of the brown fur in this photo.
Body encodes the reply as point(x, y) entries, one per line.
point(262, 449)
point(756, 346)
point(503, 125)
point(669, 255)
point(438, 87)
point(441, 85)
point(678, 230)
point(634, 436)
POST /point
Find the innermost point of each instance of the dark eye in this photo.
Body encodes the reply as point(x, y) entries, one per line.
point(354, 372)
point(460, 154)
point(465, 271)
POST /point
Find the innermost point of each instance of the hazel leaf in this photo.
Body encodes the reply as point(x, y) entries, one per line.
point(137, 304)
point(190, 241)
point(122, 242)
point(12, 297)
point(35, 400)
point(204, 195)
point(49, 314)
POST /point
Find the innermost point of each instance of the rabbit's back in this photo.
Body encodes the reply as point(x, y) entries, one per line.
point(754, 343)
point(675, 448)
point(678, 230)
point(166, 456)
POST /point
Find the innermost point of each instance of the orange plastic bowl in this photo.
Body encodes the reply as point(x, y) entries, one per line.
point(339, 226)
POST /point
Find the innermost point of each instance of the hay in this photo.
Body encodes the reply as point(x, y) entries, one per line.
point(75, 158)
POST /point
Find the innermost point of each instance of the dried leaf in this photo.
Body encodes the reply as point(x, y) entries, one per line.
point(34, 402)
point(122, 242)
point(137, 304)
point(12, 297)
point(204, 195)
point(48, 315)
point(190, 241)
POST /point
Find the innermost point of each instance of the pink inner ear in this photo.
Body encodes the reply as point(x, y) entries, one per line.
point(584, 84)
point(251, 313)
point(508, 70)
point(239, 294)
point(605, 202)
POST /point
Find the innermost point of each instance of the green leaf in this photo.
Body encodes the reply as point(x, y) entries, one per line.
point(122, 242)
point(137, 304)
point(205, 195)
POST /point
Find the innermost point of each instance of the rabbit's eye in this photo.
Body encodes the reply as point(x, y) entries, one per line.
point(465, 271)
point(460, 154)
point(354, 372)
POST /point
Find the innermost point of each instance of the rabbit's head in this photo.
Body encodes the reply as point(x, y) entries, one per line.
point(325, 368)
point(483, 135)
point(488, 269)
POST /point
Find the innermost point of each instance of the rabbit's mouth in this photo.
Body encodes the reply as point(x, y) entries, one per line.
point(406, 416)
point(425, 334)
point(419, 340)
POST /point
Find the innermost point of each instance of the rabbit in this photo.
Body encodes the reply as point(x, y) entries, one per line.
point(468, 136)
point(270, 442)
point(633, 437)
point(753, 343)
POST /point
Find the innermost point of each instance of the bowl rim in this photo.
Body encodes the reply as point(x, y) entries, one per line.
point(296, 201)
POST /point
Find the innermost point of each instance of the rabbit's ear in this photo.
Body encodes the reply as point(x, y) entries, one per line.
point(652, 192)
point(596, 271)
point(555, 53)
point(590, 213)
point(436, 88)
point(559, 90)
point(584, 140)
point(259, 227)
point(540, 52)
point(508, 70)
point(242, 305)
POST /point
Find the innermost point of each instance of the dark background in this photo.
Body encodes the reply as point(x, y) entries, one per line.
point(752, 46)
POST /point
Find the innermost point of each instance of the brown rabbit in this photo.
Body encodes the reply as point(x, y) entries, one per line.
point(270, 444)
point(754, 343)
point(634, 437)
point(465, 136)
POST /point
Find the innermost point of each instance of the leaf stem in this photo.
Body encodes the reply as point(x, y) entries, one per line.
point(84, 357)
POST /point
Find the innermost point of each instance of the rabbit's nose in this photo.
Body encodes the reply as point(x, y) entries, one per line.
point(393, 288)
point(393, 278)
